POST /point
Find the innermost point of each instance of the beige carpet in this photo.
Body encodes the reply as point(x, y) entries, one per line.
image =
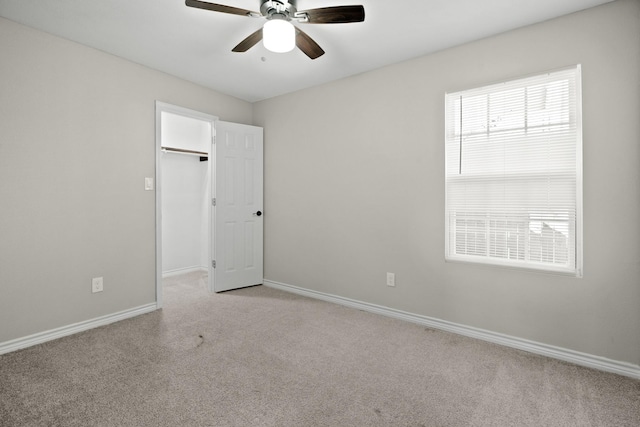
point(262, 357)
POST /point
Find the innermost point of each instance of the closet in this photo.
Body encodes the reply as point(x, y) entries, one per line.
point(185, 182)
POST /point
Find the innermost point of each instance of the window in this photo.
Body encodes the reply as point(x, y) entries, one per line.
point(514, 173)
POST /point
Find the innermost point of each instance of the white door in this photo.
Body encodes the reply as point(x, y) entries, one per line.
point(237, 212)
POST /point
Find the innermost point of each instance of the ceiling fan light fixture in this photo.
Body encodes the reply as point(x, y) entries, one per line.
point(279, 35)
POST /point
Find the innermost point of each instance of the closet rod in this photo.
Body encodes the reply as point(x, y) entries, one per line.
point(182, 150)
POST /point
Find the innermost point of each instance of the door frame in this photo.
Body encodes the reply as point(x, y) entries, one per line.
point(182, 111)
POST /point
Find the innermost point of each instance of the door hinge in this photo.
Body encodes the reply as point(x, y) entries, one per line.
point(213, 201)
point(213, 263)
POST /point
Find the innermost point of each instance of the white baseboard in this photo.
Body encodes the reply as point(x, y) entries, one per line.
point(578, 358)
point(41, 337)
point(185, 270)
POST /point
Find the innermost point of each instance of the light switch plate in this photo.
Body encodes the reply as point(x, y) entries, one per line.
point(148, 183)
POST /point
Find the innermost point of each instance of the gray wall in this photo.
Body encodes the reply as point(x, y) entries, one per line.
point(354, 187)
point(77, 138)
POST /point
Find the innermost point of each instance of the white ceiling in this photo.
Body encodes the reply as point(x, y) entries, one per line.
point(196, 44)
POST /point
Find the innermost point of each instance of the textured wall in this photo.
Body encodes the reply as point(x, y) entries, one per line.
point(354, 181)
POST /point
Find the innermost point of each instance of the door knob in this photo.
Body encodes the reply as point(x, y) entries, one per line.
point(258, 213)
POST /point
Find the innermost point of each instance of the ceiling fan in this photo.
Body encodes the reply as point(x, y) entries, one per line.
point(278, 34)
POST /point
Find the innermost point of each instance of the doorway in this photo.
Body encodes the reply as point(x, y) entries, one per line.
point(183, 191)
point(209, 213)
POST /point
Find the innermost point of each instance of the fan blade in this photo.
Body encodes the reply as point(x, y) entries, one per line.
point(334, 14)
point(220, 8)
point(249, 42)
point(307, 45)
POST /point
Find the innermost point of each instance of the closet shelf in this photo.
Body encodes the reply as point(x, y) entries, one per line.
point(185, 151)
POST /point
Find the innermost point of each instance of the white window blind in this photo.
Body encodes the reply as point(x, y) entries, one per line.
point(514, 173)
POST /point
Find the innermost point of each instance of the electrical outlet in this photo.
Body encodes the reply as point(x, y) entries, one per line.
point(391, 279)
point(96, 284)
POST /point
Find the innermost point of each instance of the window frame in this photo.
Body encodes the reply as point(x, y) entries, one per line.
point(574, 227)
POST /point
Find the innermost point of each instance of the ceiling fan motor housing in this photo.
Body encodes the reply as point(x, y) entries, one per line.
point(278, 9)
